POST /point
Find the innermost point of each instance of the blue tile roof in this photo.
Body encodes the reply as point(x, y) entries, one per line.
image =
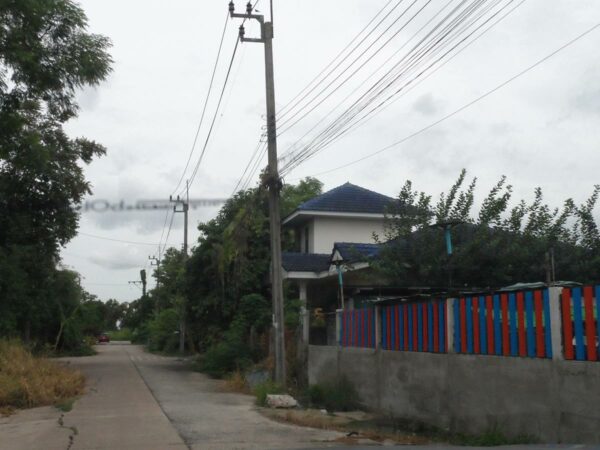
point(348, 198)
point(354, 252)
point(305, 262)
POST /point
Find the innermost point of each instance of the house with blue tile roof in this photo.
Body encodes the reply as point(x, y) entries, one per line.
point(340, 224)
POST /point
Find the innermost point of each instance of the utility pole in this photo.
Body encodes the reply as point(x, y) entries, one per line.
point(143, 279)
point(273, 183)
point(185, 206)
point(154, 261)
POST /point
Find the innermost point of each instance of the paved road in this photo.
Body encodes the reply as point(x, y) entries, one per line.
point(140, 401)
point(208, 418)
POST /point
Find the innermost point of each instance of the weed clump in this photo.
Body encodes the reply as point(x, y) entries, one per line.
point(261, 391)
point(335, 395)
point(27, 381)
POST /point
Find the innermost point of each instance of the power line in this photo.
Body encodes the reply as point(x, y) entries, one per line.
point(372, 114)
point(191, 180)
point(163, 228)
point(363, 53)
point(115, 240)
point(376, 90)
point(301, 93)
point(256, 165)
point(250, 163)
point(212, 78)
point(451, 32)
point(370, 76)
point(244, 181)
point(160, 252)
point(467, 105)
point(216, 113)
point(382, 79)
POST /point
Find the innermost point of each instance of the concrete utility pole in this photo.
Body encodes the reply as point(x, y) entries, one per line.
point(142, 282)
point(273, 182)
point(143, 279)
point(154, 261)
point(185, 206)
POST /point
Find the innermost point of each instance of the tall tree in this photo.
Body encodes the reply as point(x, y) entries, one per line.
point(46, 54)
point(231, 260)
point(497, 246)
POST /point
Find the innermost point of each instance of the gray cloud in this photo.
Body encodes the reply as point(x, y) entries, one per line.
point(426, 105)
point(113, 264)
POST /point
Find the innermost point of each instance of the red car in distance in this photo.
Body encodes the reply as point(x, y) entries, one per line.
point(103, 338)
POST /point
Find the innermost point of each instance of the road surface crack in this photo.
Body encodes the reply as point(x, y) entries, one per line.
point(73, 431)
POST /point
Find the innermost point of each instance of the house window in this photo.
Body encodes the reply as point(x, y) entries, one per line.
point(306, 240)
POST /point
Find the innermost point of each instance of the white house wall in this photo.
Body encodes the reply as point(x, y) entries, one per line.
point(310, 227)
point(325, 231)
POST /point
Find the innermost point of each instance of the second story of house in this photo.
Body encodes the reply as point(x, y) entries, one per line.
point(348, 213)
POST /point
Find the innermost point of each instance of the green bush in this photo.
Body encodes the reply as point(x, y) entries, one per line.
point(124, 334)
point(263, 389)
point(225, 357)
point(335, 395)
point(140, 335)
point(163, 332)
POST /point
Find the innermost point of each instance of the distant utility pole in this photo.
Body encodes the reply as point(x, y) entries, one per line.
point(154, 261)
point(143, 280)
point(185, 206)
point(273, 182)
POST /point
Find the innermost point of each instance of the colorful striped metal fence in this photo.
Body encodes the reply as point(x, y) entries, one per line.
point(504, 324)
point(357, 328)
point(417, 327)
point(581, 328)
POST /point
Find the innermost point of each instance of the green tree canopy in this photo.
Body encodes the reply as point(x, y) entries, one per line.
point(232, 257)
point(496, 246)
point(46, 54)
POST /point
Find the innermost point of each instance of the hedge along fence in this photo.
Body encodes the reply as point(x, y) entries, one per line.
point(416, 327)
point(504, 324)
point(580, 324)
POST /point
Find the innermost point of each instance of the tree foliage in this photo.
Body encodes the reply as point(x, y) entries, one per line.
point(232, 257)
point(224, 284)
point(46, 54)
point(500, 244)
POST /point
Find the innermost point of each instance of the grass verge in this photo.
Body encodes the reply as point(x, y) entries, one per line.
point(27, 381)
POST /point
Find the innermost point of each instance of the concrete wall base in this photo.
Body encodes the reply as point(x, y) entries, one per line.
point(554, 401)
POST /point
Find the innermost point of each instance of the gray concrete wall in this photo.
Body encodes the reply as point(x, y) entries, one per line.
point(556, 401)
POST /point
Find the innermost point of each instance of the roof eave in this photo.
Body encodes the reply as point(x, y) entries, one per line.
point(301, 215)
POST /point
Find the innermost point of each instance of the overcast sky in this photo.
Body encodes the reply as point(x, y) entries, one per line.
point(540, 130)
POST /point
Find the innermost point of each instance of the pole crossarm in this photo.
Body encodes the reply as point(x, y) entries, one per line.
point(245, 39)
point(258, 17)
